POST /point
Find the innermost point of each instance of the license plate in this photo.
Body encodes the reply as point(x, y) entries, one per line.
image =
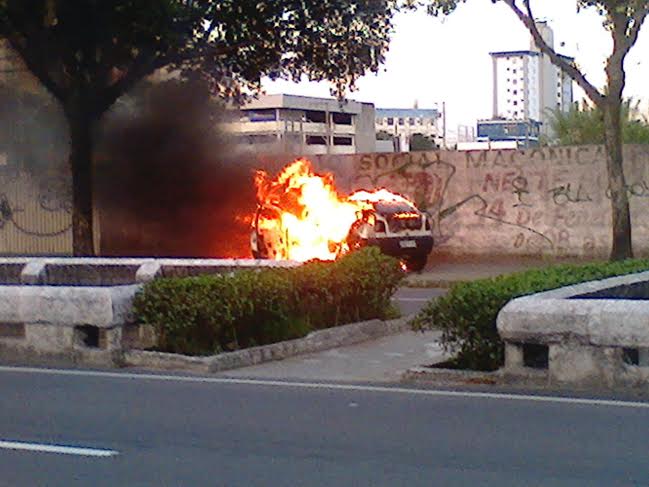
point(408, 244)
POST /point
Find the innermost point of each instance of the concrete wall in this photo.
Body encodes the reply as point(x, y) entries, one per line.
point(549, 201)
point(365, 131)
point(35, 215)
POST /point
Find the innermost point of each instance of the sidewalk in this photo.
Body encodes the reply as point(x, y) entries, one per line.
point(381, 360)
point(386, 359)
point(445, 272)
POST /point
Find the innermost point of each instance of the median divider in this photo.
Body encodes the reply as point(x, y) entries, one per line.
point(316, 341)
point(80, 311)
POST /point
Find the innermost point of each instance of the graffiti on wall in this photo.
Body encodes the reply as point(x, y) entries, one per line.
point(26, 208)
point(550, 200)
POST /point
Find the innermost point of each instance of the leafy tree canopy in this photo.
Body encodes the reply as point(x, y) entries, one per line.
point(585, 125)
point(88, 53)
point(419, 142)
point(104, 47)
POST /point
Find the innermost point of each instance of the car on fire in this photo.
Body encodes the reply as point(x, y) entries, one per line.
point(396, 226)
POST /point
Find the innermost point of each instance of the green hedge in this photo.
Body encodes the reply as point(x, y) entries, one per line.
point(467, 314)
point(208, 314)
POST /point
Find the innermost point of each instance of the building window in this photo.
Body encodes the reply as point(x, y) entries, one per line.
point(411, 121)
point(265, 115)
point(401, 121)
point(390, 121)
point(343, 141)
point(342, 118)
point(316, 140)
point(315, 116)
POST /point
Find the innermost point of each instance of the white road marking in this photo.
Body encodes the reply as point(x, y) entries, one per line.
point(60, 449)
point(340, 387)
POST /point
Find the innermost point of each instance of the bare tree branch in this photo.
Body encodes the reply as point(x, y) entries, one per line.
point(568, 68)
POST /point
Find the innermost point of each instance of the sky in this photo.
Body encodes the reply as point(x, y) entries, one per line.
point(446, 60)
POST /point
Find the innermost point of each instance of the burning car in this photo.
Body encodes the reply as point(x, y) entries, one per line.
point(300, 216)
point(396, 226)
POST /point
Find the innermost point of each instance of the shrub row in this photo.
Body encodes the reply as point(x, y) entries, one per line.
point(210, 314)
point(467, 314)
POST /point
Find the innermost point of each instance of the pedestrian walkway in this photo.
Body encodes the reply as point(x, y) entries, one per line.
point(386, 359)
point(445, 272)
point(382, 360)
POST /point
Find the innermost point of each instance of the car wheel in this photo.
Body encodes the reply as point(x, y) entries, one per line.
point(416, 263)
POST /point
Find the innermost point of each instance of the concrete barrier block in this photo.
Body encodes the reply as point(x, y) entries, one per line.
point(47, 338)
point(33, 273)
point(513, 356)
point(148, 272)
point(585, 365)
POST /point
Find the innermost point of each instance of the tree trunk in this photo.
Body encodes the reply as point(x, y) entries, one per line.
point(622, 247)
point(81, 165)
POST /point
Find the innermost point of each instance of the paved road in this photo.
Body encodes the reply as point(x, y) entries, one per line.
point(173, 432)
point(411, 300)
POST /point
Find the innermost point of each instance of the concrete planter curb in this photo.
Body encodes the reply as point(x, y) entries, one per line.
point(531, 378)
point(314, 342)
point(583, 333)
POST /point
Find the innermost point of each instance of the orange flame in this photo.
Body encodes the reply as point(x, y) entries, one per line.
point(309, 214)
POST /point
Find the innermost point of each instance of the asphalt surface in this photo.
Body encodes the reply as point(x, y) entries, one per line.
point(171, 432)
point(411, 300)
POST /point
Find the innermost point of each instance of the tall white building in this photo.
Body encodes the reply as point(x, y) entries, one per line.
point(304, 125)
point(526, 85)
point(399, 125)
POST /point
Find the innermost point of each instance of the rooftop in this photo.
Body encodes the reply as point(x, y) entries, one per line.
point(304, 103)
point(514, 53)
point(407, 112)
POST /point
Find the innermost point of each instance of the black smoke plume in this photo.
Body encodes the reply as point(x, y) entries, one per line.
point(169, 182)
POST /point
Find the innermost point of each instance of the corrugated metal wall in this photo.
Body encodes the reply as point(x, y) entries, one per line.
point(35, 217)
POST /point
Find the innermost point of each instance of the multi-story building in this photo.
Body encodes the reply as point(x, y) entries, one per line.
point(397, 126)
point(304, 125)
point(527, 87)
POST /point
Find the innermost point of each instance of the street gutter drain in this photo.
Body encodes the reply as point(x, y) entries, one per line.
point(87, 335)
point(12, 330)
point(535, 356)
point(631, 356)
